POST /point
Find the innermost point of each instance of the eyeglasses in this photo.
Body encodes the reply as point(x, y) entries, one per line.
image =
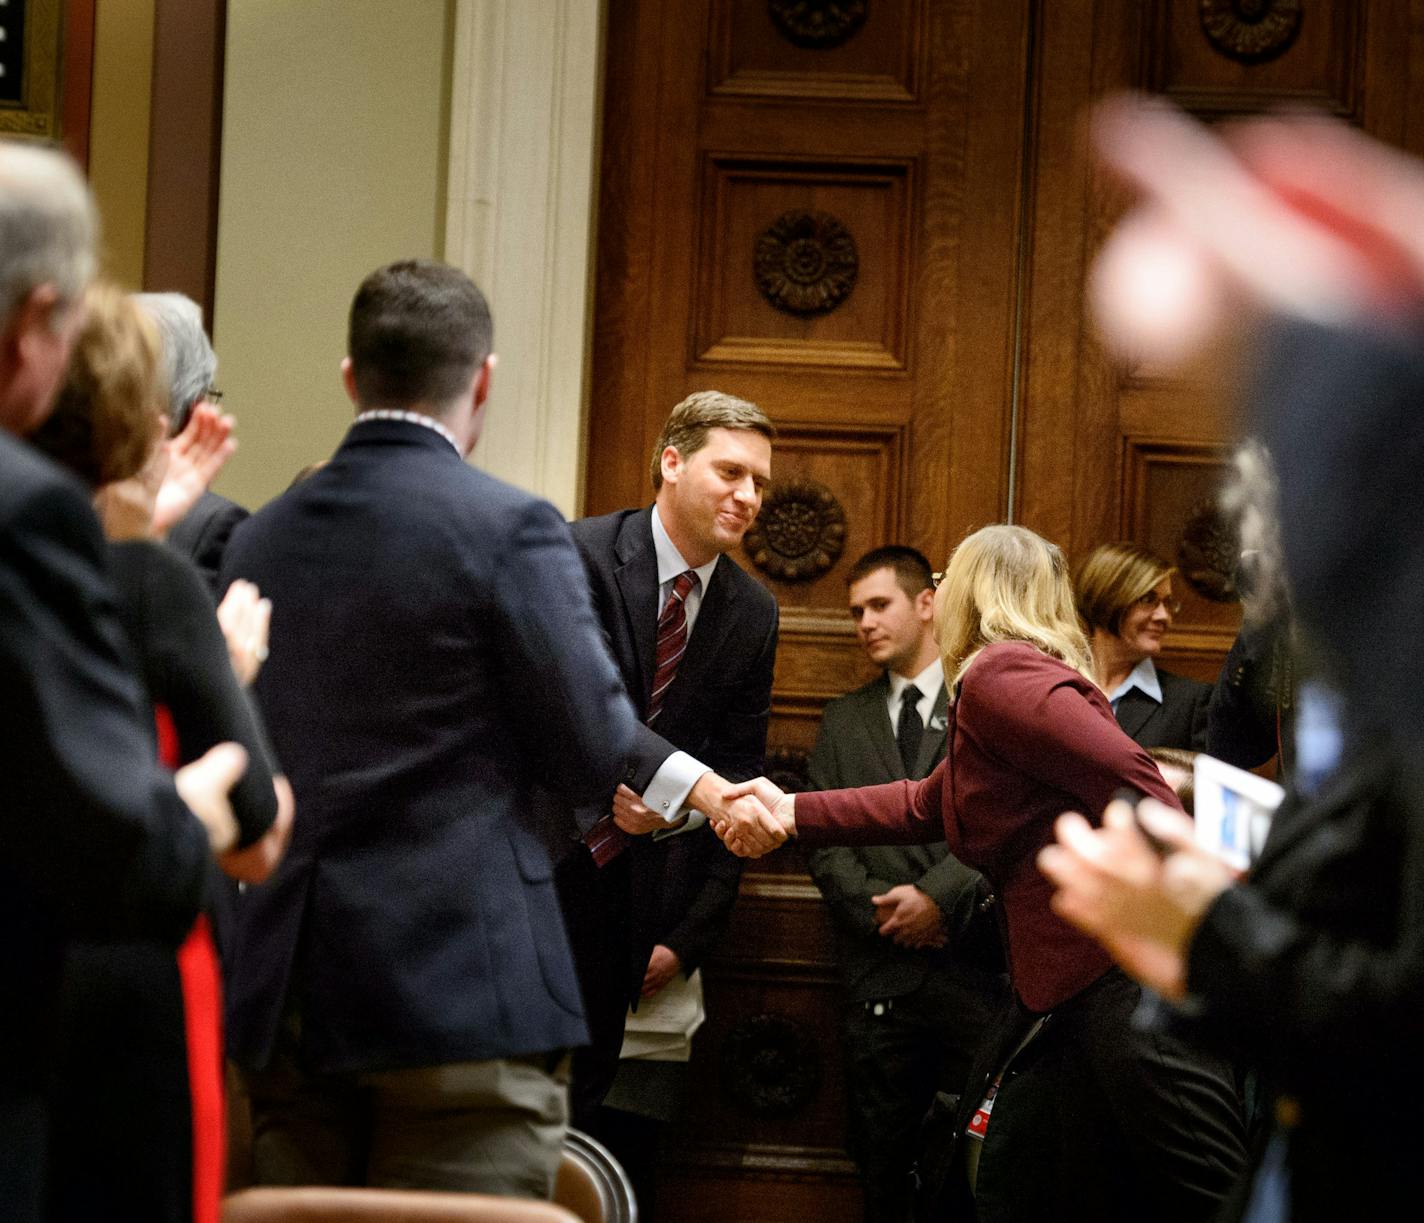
point(1151, 599)
point(213, 396)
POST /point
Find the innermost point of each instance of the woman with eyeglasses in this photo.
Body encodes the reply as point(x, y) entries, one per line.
point(1124, 597)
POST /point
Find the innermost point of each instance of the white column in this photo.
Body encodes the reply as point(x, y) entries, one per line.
point(524, 109)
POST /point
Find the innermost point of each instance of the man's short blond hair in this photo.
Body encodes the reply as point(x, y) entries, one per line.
point(688, 424)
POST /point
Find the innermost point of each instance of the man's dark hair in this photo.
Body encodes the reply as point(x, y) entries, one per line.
point(419, 330)
point(912, 570)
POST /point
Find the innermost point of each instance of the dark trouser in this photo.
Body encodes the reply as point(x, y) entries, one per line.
point(1098, 1119)
point(596, 903)
point(494, 1126)
point(898, 1053)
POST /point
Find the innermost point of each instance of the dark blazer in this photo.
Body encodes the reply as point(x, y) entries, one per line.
point(433, 656)
point(1314, 970)
point(97, 841)
point(856, 747)
point(1179, 721)
point(202, 535)
point(716, 709)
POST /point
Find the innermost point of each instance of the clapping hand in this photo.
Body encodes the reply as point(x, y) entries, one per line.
point(195, 457)
point(245, 618)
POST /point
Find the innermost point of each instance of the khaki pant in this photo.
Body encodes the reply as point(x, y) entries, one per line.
point(484, 1127)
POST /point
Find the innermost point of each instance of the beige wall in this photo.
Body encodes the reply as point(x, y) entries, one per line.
point(118, 131)
point(335, 129)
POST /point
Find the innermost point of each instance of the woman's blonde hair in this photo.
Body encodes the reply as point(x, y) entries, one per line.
point(1005, 583)
point(105, 421)
point(1111, 578)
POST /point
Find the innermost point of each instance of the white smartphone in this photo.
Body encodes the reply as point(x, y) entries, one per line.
point(1233, 810)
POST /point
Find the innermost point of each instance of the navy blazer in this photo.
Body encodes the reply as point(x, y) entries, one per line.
point(1180, 721)
point(97, 841)
point(856, 746)
point(202, 535)
point(433, 656)
point(716, 709)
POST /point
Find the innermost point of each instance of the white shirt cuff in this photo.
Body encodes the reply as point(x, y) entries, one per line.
point(670, 786)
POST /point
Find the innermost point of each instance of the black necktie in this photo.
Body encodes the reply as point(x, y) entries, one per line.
point(910, 729)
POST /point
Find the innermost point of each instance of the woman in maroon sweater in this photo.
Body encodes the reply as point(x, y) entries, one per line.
point(1092, 1118)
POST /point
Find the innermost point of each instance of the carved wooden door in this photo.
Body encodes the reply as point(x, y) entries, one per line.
point(1106, 451)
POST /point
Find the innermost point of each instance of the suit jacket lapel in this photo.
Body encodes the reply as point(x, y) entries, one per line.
point(875, 717)
point(932, 743)
point(637, 578)
point(1134, 710)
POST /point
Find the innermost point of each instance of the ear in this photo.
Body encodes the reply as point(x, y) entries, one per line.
point(348, 380)
point(484, 378)
point(671, 465)
point(924, 605)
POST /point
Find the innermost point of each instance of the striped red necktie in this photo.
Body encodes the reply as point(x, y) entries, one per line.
point(605, 840)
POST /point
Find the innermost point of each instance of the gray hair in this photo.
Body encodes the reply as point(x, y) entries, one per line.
point(188, 358)
point(48, 226)
point(1251, 498)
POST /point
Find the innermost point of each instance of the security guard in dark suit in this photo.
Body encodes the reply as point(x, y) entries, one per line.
point(921, 974)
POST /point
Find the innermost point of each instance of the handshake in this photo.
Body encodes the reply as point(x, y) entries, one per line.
point(751, 817)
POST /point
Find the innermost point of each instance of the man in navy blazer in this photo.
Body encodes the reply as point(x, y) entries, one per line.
point(699, 728)
point(97, 841)
point(402, 989)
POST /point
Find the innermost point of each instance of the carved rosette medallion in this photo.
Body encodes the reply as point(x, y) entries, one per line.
point(771, 1066)
point(805, 263)
point(787, 766)
point(799, 533)
point(818, 24)
point(1209, 553)
point(1251, 30)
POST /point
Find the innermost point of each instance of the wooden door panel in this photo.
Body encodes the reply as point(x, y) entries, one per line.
point(868, 53)
point(803, 264)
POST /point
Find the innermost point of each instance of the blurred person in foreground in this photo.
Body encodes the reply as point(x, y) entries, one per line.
point(1125, 598)
point(1071, 1112)
point(1314, 965)
point(99, 841)
point(140, 1089)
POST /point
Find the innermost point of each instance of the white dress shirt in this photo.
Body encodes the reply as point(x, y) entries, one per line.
point(670, 785)
point(1143, 677)
point(929, 681)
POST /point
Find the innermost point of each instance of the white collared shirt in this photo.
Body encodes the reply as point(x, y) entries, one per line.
point(929, 682)
point(671, 784)
point(1143, 677)
point(410, 418)
point(670, 564)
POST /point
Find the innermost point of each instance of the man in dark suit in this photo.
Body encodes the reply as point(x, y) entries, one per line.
point(919, 986)
point(695, 638)
point(98, 841)
point(401, 990)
